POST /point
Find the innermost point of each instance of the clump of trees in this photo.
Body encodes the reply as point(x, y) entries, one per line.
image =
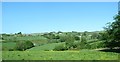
point(23, 45)
point(60, 47)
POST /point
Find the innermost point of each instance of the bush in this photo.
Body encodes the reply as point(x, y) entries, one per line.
point(69, 41)
point(23, 45)
point(60, 47)
point(75, 44)
point(62, 38)
point(95, 45)
point(11, 49)
point(77, 38)
point(82, 45)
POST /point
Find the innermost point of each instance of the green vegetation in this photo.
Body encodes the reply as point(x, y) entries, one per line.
point(59, 55)
point(23, 45)
point(60, 47)
point(8, 46)
point(46, 47)
point(64, 45)
point(112, 32)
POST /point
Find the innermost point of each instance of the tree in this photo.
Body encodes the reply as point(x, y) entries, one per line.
point(85, 33)
point(60, 47)
point(95, 35)
point(69, 40)
point(59, 32)
point(113, 33)
point(19, 33)
point(23, 45)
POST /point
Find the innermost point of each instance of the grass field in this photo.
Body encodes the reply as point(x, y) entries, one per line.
point(8, 45)
point(50, 46)
point(59, 55)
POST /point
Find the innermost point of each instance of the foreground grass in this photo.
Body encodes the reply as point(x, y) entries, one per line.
point(59, 55)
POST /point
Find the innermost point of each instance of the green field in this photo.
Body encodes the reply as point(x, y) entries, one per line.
point(8, 45)
point(59, 55)
point(49, 46)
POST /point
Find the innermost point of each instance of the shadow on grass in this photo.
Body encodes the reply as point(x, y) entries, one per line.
point(111, 50)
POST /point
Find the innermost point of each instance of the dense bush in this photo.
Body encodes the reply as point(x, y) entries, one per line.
point(83, 39)
point(95, 45)
point(51, 36)
point(69, 41)
point(60, 47)
point(77, 38)
point(75, 44)
point(23, 45)
point(82, 45)
point(62, 38)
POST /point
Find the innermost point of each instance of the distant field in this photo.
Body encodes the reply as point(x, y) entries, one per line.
point(59, 55)
point(31, 38)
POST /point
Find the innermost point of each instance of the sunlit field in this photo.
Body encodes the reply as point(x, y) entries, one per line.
point(59, 55)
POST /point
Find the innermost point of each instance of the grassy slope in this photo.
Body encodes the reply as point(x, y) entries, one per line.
point(50, 46)
point(59, 55)
point(8, 45)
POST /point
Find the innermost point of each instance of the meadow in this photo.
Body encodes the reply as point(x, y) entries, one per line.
point(59, 55)
point(56, 46)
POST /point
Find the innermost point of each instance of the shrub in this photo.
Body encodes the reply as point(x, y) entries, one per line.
point(60, 47)
point(95, 45)
point(57, 37)
point(62, 38)
point(69, 41)
point(11, 49)
point(77, 38)
point(23, 45)
point(82, 45)
point(75, 44)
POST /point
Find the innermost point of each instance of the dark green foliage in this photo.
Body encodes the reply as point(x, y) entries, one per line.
point(81, 45)
point(69, 41)
point(23, 45)
point(113, 33)
point(85, 33)
point(76, 38)
point(104, 36)
point(51, 36)
point(83, 39)
point(75, 44)
point(60, 47)
point(57, 37)
point(62, 38)
point(19, 33)
point(95, 35)
point(59, 32)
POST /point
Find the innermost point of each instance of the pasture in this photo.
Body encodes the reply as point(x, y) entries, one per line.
point(59, 55)
point(45, 47)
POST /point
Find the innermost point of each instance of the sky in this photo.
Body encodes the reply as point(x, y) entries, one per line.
point(36, 17)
